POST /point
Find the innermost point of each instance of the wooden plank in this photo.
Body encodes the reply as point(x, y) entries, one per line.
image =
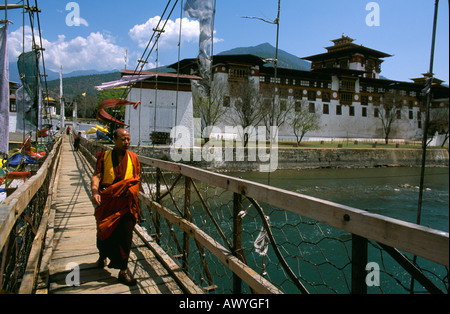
point(183, 280)
point(152, 277)
point(421, 241)
point(74, 241)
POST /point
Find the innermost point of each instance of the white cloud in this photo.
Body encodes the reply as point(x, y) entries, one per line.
point(96, 51)
point(169, 39)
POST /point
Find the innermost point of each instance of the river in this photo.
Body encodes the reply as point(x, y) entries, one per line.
point(321, 254)
point(393, 192)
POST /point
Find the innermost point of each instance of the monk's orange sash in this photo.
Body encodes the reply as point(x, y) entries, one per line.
point(108, 172)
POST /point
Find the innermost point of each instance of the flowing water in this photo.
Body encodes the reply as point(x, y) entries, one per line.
point(392, 192)
point(320, 253)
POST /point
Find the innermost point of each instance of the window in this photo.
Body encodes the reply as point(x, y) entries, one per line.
point(326, 109)
point(376, 100)
point(312, 95)
point(338, 110)
point(272, 80)
point(12, 107)
point(364, 100)
point(325, 96)
point(352, 111)
point(411, 115)
point(376, 113)
point(346, 98)
point(347, 85)
point(298, 106)
point(399, 114)
point(312, 107)
point(364, 112)
point(238, 73)
point(304, 83)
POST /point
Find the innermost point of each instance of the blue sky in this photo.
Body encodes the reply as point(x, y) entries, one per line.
point(108, 28)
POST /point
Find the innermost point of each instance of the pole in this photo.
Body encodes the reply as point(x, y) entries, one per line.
point(427, 115)
point(272, 122)
point(427, 121)
point(61, 100)
point(159, 32)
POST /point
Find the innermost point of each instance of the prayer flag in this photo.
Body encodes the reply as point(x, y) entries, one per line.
point(203, 11)
point(4, 91)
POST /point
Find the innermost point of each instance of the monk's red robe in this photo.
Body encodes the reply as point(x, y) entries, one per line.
point(117, 201)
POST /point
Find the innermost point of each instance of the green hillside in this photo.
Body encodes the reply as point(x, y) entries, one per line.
point(75, 86)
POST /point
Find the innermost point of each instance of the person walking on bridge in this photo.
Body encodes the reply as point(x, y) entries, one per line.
point(115, 191)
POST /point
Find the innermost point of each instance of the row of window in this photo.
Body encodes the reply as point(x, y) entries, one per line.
point(344, 85)
point(326, 109)
point(364, 112)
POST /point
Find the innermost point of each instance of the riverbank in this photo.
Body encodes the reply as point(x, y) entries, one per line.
point(304, 158)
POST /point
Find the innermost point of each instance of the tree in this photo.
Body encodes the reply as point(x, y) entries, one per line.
point(209, 109)
point(389, 111)
point(248, 109)
point(439, 123)
point(277, 109)
point(304, 121)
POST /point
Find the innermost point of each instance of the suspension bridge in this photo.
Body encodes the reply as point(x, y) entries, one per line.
point(197, 234)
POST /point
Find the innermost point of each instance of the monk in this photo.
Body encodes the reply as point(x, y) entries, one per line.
point(115, 190)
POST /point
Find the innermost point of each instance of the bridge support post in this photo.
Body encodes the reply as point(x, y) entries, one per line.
point(359, 262)
point(187, 216)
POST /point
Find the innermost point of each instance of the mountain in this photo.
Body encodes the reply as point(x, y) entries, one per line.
point(266, 50)
point(78, 85)
point(84, 81)
point(51, 75)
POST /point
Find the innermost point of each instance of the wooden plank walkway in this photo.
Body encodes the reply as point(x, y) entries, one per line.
point(74, 241)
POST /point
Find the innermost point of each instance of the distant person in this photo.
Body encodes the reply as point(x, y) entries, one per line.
point(68, 130)
point(115, 191)
point(76, 141)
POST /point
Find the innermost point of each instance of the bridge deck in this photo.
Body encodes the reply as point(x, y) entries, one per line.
point(74, 241)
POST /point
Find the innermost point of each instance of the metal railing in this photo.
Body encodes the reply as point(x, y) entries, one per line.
point(235, 236)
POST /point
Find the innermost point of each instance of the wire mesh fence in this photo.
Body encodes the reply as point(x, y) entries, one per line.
point(320, 256)
point(292, 252)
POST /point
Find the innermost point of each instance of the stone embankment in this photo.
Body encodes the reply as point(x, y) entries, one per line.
point(295, 158)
